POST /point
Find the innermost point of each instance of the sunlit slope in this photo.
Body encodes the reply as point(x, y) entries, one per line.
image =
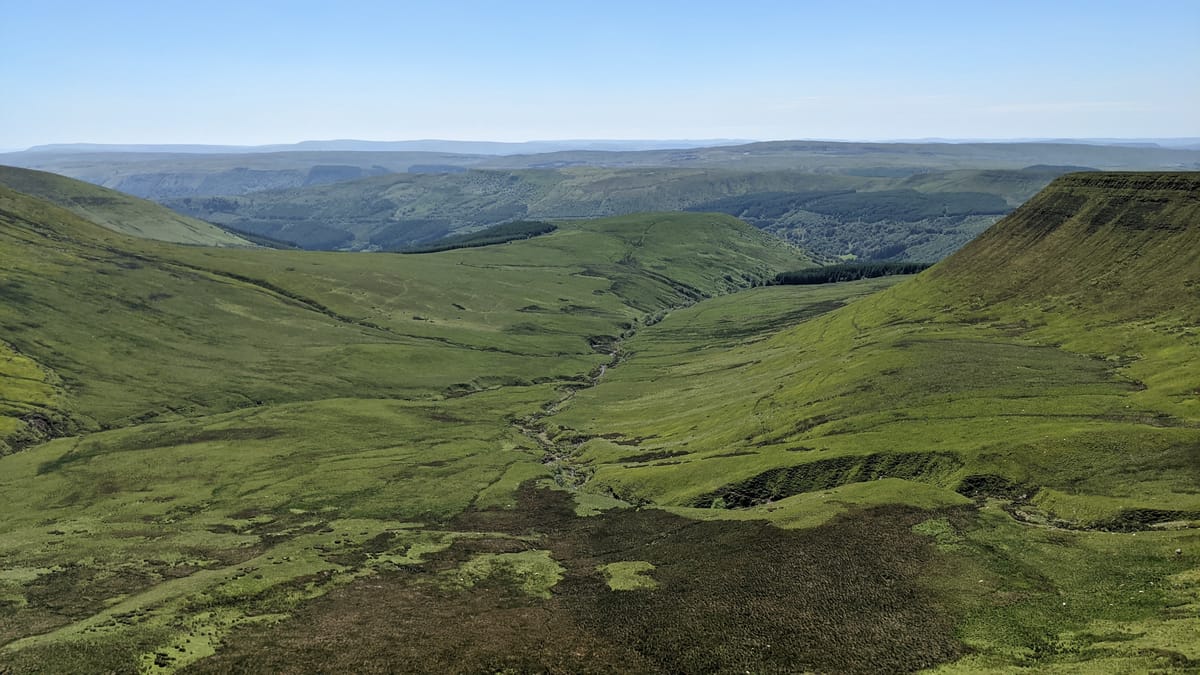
point(1053, 361)
point(1036, 393)
point(115, 210)
point(304, 445)
point(1110, 246)
point(135, 330)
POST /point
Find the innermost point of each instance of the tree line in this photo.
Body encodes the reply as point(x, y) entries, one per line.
point(848, 272)
point(498, 234)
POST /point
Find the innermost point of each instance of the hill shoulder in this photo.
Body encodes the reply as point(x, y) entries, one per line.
point(117, 211)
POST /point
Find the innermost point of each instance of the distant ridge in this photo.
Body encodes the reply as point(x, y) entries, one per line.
point(425, 145)
point(502, 148)
point(1186, 142)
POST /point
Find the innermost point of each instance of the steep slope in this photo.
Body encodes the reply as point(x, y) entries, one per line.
point(1046, 371)
point(1114, 246)
point(1094, 280)
point(117, 211)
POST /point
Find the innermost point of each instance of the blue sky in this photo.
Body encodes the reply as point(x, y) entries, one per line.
point(189, 71)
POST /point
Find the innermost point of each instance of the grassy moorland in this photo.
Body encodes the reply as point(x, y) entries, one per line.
point(264, 461)
point(117, 211)
point(231, 432)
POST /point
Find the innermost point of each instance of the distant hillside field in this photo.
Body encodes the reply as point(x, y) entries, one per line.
point(116, 211)
point(830, 215)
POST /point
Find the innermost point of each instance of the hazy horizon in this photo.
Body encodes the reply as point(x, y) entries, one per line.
point(282, 72)
point(582, 143)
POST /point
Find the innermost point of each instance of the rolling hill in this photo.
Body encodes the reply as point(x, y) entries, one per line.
point(200, 173)
point(188, 304)
point(328, 197)
point(829, 215)
point(400, 210)
point(428, 145)
point(117, 211)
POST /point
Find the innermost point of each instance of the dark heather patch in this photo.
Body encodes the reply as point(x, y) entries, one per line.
point(1133, 520)
point(78, 591)
point(740, 453)
point(152, 440)
point(732, 597)
point(993, 485)
point(651, 456)
point(824, 474)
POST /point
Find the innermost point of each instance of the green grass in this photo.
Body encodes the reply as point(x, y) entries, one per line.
point(533, 572)
point(1061, 383)
point(630, 575)
point(139, 332)
point(325, 461)
point(899, 373)
point(117, 211)
point(267, 426)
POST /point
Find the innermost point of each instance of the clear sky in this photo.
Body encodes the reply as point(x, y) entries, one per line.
point(254, 72)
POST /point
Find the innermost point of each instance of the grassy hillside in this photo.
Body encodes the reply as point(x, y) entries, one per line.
point(496, 234)
point(1092, 268)
point(117, 211)
point(153, 175)
point(235, 432)
point(139, 331)
point(1044, 375)
point(1015, 187)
